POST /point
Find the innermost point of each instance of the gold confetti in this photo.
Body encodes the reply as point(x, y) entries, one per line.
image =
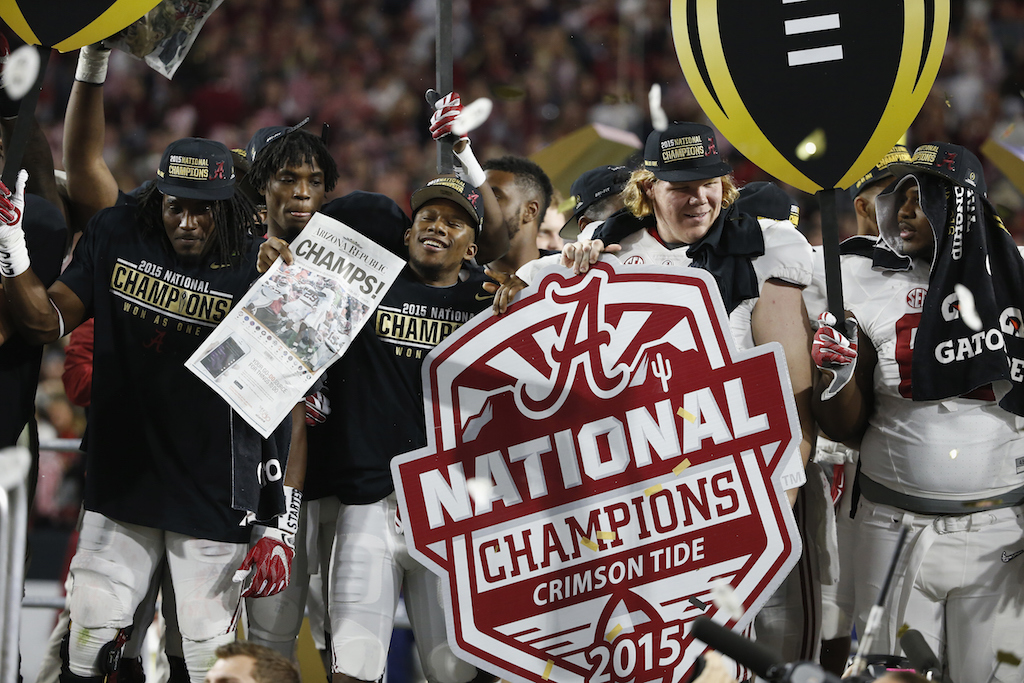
point(680, 467)
point(587, 542)
point(1004, 657)
point(902, 630)
point(547, 669)
point(651, 490)
point(953, 453)
point(606, 535)
point(686, 415)
point(614, 632)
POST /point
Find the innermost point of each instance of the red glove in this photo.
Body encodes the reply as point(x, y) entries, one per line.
point(831, 347)
point(318, 407)
point(268, 566)
point(833, 352)
point(447, 109)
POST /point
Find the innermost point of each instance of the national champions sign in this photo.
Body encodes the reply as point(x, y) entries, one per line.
point(601, 459)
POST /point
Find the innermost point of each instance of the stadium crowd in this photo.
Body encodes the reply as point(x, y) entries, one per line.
point(550, 66)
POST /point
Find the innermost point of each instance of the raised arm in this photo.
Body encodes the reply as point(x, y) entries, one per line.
point(492, 243)
point(91, 185)
point(779, 315)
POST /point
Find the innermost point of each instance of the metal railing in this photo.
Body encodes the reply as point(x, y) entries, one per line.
point(14, 468)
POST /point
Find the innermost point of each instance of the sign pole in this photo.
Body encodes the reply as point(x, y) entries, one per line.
point(444, 77)
point(15, 147)
point(830, 243)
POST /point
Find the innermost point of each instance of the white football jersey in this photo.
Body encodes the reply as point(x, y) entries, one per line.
point(787, 257)
point(956, 449)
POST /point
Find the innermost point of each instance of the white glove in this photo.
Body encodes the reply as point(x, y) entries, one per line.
point(13, 253)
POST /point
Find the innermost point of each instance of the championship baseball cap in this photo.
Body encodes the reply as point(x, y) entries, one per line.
point(881, 170)
point(264, 136)
point(683, 152)
point(952, 162)
point(593, 186)
point(453, 189)
point(196, 168)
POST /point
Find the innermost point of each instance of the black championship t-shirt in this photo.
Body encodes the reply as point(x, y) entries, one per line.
point(376, 390)
point(159, 447)
point(46, 236)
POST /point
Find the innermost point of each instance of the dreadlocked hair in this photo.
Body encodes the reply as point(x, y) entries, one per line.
point(294, 149)
point(235, 220)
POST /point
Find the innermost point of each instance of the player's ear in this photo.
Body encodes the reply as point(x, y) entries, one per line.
point(470, 251)
point(408, 233)
point(531, 210)
point(860, 206)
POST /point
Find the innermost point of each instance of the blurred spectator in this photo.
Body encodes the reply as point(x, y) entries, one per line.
point(550, 65)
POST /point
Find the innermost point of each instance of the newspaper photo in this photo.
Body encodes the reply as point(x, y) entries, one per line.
point(164, 35)
point(295, 321)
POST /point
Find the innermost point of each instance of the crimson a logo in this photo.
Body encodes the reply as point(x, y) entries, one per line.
point(599, 459)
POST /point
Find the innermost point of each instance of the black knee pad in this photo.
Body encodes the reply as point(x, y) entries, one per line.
point(179, 672)
point(128, 671)
point(110, 654)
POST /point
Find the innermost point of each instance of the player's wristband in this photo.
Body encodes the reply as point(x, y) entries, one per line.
point(60, 320)
point(470, 166)
point(288, 521)
point(92, 64)
point(14, 254)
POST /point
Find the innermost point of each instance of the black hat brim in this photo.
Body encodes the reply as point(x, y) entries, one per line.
point(700, 173)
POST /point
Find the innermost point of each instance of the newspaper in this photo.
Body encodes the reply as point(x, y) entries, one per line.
point(164, 35)
point(295, 321)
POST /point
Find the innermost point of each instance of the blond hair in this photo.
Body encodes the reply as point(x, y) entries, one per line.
point(640, 205)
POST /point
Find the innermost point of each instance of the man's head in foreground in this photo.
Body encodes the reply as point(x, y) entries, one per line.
point(244, 662)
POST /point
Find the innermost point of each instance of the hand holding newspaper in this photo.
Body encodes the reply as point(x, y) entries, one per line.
point(295, 321)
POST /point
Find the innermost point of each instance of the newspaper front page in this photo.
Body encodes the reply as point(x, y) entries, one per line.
point(295, 321)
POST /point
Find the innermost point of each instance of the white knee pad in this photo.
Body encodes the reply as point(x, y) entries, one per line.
point(84, 649)
point(102, 595)
point(200, 655)
point(442, 666)
point(357, 652)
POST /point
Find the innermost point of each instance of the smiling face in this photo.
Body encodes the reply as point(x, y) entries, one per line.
point(685, 210)
point(440, 240)
point(189, 225)
point(293, 195)
point(916, 237)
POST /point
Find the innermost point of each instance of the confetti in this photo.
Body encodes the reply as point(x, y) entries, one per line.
point(651, 490)
point(606, 535)
point(680, 467)
point(1004, 657)
point(698, 603)
point(547, 669)
point(901, 631)
point(614, 632)
point(725, 598)
point(686, 415)
point(587, 542)
point(479, 489)
point(953, 453)
point(968, 312)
